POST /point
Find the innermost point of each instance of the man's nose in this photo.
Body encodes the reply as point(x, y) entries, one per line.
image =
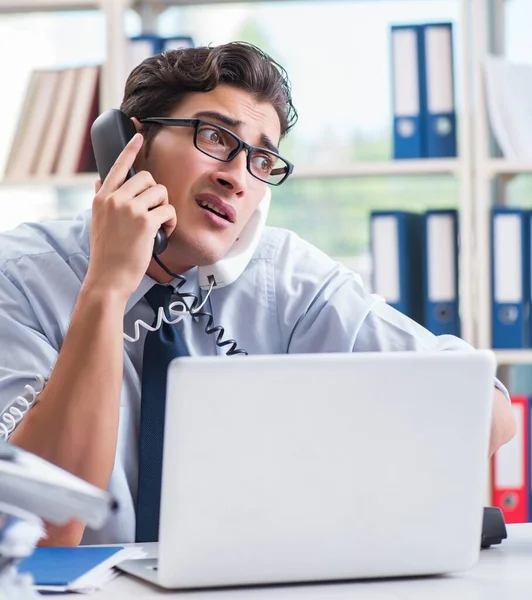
point(233, 174)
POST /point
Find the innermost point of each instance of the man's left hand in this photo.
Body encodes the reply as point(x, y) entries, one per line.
point(503, 425)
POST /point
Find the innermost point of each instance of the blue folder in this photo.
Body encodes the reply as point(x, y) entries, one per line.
point(61, 567)
point(177, 42)
point(396, 250)
point(440, 113)
point(409, 91)
point(440, 276)
point(510, 277)
point(149, 41)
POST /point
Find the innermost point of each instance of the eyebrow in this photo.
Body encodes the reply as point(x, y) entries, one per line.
point(265, 141)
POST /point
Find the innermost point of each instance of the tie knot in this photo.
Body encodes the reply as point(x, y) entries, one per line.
point(159, 295)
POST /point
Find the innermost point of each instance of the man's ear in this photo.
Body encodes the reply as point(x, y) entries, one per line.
point(138, 165)
point(137, 123)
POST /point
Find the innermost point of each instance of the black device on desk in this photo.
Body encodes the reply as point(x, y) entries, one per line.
point(493, 527)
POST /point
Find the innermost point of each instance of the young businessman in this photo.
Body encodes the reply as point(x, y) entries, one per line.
point(69, 290)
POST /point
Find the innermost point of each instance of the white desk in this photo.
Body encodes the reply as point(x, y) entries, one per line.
point(504, 572)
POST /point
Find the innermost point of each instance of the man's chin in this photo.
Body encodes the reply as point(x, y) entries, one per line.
point(210, 258)
point(201, 249)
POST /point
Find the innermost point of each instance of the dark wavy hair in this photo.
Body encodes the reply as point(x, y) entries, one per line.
point(157, 85)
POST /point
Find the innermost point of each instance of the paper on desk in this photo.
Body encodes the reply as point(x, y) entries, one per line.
point(508, 94)
point(96, 578)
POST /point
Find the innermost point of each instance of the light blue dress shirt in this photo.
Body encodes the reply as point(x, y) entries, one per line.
point(291, 298)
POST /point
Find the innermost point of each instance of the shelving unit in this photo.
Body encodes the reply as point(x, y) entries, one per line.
point(481, 30)
point(488, 37)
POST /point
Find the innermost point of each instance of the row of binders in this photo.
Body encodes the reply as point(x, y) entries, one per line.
point(511, 481)
point(424, 114)
point(415, 269)
point(415, 265)
point(53, 132)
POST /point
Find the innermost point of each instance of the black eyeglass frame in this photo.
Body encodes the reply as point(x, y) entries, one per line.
point(178, 122)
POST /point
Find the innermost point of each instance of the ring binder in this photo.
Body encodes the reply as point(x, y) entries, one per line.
point(14, 415)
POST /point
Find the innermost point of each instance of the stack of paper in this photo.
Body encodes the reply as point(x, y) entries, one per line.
point(508, 93)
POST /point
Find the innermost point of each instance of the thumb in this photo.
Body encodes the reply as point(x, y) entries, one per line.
point(97, 186)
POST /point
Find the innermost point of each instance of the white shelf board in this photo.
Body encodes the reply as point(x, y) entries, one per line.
point(369, 169)
point(50, 5)
point(503, 166)
point(513, 357)
point(403, 167)
point(79, 179)
point(21, 6)
point(196, 2)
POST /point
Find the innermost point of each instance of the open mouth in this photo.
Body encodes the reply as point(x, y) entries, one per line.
point(211, 208)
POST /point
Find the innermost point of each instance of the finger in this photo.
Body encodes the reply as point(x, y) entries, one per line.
point(118, 173)
point(164, 216)
point(97, 186)
point(150, 198)
point(135, 186)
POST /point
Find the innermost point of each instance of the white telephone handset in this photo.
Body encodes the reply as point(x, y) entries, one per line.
point(232, 265)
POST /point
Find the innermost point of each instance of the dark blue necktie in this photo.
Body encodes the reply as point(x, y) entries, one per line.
point(160, 348)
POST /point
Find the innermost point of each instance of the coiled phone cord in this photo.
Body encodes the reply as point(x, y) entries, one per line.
point(14, 414)
point(195, 310)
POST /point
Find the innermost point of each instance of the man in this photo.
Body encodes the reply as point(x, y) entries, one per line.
point(69, 291)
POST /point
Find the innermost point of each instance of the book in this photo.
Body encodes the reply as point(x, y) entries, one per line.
point(34, 117)
point(55, 130)
point(75, 153)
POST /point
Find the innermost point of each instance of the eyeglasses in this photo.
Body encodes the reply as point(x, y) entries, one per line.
point(222, 144)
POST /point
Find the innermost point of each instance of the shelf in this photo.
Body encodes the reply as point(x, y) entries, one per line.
point(514, 357)
point(80, 179)
point(22, 6)
point(503, 166)
point(51, 5)
point(371, 169)
point(196, 2)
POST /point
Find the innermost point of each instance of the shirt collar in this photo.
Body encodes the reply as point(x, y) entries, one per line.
point(148, 282)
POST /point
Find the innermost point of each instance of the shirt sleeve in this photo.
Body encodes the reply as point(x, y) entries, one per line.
point(324, 307)
point(26, 355)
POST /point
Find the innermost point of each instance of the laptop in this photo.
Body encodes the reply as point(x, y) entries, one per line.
point(321, 467)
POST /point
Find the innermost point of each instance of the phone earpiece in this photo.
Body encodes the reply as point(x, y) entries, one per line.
point(160, 242)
